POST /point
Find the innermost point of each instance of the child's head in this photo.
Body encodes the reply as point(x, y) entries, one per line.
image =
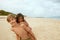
point(11, 19)
point(19, 18)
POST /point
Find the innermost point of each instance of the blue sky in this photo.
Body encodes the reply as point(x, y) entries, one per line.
point(33, 8)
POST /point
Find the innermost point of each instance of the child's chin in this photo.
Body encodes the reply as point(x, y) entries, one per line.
point(13, 25)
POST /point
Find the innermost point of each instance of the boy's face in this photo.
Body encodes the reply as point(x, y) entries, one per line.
point(12, 21)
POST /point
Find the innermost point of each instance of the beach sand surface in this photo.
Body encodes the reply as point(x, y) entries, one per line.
point(43, 28)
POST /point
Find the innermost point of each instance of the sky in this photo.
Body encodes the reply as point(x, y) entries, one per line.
point(32, 8)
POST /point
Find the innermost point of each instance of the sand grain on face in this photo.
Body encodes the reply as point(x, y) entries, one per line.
point(43, 28)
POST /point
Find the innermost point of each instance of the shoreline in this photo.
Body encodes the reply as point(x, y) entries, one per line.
point(3, 17)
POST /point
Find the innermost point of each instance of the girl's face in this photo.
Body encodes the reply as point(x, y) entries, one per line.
point(20, 19)
point(12, 21)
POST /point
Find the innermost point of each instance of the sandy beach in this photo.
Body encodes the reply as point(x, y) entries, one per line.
point(43, 28)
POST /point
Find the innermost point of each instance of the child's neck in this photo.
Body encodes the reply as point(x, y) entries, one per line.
point(16, 25)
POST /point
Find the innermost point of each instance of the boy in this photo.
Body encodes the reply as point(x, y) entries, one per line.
point(20, 32)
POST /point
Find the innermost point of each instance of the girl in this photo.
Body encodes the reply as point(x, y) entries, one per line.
point(20, 20)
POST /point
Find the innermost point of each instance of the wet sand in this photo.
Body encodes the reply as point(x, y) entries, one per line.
point(43, 28)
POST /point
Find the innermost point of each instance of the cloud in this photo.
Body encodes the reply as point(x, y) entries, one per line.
point(34, 8)
point(56, 1)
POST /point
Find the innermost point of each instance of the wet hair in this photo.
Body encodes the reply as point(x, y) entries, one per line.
point(10, 16)
point(18, 16)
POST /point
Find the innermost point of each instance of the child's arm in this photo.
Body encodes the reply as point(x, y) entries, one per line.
point(26, 25)
point(16, 32)
point(17, 35)
point(29, 31)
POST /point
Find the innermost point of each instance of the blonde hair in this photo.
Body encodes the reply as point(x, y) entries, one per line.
point(10, 16)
